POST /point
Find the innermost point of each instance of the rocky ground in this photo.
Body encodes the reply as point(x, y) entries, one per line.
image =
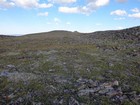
point(71, 68)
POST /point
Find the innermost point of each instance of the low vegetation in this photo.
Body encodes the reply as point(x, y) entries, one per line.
point(71, 68)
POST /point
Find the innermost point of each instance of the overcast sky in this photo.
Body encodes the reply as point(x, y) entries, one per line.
point(31, 16)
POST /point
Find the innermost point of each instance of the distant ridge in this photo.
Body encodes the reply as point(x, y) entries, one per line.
point(129, 31)
point(6, 36)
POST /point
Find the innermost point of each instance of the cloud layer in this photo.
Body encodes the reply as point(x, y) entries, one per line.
point(6, 4)
point(90, 7)
point(87, 8)
point(24, 4)
point(119, 12)
point(135, 13)
point(70, 6)
point(62, 1)
point(135, 10)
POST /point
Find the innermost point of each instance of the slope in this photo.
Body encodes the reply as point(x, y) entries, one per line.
point(62, 67)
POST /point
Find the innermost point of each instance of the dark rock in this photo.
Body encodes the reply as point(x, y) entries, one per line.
point(58, 101)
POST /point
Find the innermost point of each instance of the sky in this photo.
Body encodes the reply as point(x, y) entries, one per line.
point(33, 16)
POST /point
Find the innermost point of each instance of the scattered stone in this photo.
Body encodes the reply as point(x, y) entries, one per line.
point(111, 64)
point(85, 92)
point(10, 66)
point(137, 98)
point(103, 92)
point(20, 100)
point(58, 101)
point(64, 63)
point(113, 93)
point(115, 83)
point(61, 102)
point(82, 87)
point(93, 84)
point(36, 103)
point(73, 101)
point(4, 73)
point(16, 76)
point(82, 81)
point(61, 80)
point(11, 96)
point(51, 70)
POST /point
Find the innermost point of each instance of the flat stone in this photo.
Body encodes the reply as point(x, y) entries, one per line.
point(115, 83)
point(36, 103)
point(113, 93)
point(103, 92)
point(93, 84)
point(82, 87)
point(51, 70)
point(10, 66)
point(82, 81)
point(85, 92)
point(4, 73)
